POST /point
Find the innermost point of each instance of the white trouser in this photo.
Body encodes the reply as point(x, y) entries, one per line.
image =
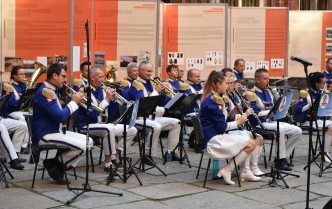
point(20, 116)
point(6, 145)
point(162, 124)
point(294, 133)
point(20, 130)
point(107, 132)
point(131, 133)
point(75, 141)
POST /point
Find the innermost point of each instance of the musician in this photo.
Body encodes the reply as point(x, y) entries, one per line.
point(142, 87)
point(105, 99)
point(83, 80)
point(180, 73)
point(132, 72)
point(252, 161)
point(173, 81)
point(220, 141)
point(48, 120)
point(317, 82)
point(328, 71)
point(239, 66)
point(8, 150)
point(227, 71)
point(262, 105)
point(16, 87)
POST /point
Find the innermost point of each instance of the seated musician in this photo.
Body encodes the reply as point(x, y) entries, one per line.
point(16, 87)
point(262, 105)
point(48, 118)
point(173, 81)
point(317, 82)
point(180, 73)
point(8, 150)
point(221, 142)
point(132, 72)
point(239, 66)
point(252, 161)
point(142, 87)
point(328, 72)
point(98, 126)
point(83, 80)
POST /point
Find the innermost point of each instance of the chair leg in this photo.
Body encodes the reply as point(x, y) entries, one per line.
point(200, 163)
point(162, 148)
point(207, 171)
point(64, 167)
point(91, 160)
point(237, 172)
point(75, 173)
point(34, 175)
point(264, 155)
point(101, 152)
point(43, 167)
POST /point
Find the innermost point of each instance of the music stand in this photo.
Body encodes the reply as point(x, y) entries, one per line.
point(278, 112)
point(3, 167)
point(124, 118)
point(179, 104)
point(147, 106)
point(27, 99)
point(324, 104)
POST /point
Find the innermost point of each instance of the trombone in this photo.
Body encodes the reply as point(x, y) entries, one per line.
point(120, 99)
point(169, 92)
point(70, 91)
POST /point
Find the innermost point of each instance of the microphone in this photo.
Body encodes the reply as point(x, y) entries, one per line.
point(304, 62)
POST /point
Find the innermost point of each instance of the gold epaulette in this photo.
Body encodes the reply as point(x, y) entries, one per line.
point(329, 87)
point(252, 90)
point(49, 93)
point(138, 85)
point(124, 83)
point(8, 87)
point(251, 96)
point(184, 86)
point(78, 82)
point(225, 98)
point(303, 94)
point(217, 99)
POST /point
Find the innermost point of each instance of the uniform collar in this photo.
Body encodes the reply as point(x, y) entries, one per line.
point(258, 89)
point(51, 86)
point(84, 79)
point(130, 79)
point(171, 79)
point(327, 72)
point(141, 80)
point(14, 82)
point(235, 71)
point(93, 88)
point(314, 91)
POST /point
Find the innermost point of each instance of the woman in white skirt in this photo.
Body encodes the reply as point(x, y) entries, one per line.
point(220, 142)
point(317, 82)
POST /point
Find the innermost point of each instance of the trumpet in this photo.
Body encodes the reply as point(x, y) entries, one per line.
point(120, 99)
point(70, 91)
point(169, 92)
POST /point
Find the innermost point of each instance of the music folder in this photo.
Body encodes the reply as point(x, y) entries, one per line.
point(27, 99)
point(175, 101)
point(280, 109)
point(325, 105)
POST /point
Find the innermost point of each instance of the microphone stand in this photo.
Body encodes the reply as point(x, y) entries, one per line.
point(86, 185)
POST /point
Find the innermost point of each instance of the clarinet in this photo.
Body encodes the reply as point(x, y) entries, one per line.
point(246, 106)
point(248, 125)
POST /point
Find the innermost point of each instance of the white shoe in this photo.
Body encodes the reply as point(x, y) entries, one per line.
point(226, 173)
point(255, 155)
point(246, 174)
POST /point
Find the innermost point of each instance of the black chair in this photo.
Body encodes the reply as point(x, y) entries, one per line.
point(3, 171)
point(200, 137)
point(47, 147)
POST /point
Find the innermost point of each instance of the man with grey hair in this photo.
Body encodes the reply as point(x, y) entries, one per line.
point(98, 126)
point(132, 72)
point(142, 87)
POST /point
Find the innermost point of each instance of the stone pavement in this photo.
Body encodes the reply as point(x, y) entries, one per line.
point(179, 189)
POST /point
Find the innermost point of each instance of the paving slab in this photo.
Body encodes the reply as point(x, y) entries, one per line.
point(95, 199)
point(323, 189)
point(217, 200)
point(21, 198)
point(145, 204)
point(167, 190)
point(316, 203)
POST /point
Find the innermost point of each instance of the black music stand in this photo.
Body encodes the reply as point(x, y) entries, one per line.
point(147, 106)
point(3, 167)
point(27, 99)
point(278, 112)
point(179, 104)
point(324, 107)
point(124, 119)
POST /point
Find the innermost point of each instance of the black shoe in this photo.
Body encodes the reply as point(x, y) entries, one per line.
point(62, 181)
point(21, 160)
point(149, 161)
point(108, 169)
point(117, 164)
point(289, 163)
point(54, 168)
point(15, 164)
point(283, 165)
point(25, 150)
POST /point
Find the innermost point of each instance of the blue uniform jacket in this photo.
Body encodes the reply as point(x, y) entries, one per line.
point(213, 117)
point(303, 106)
point(48, 115)
point(14, 100)
point(262, 106)
point(238, 75)
point(328, 77)
point(125, 89)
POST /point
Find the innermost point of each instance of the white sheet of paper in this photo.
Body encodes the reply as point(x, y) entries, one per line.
point(42, 60)
point(76, 58)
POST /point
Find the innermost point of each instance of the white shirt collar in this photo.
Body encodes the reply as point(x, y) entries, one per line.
point(141, 79)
